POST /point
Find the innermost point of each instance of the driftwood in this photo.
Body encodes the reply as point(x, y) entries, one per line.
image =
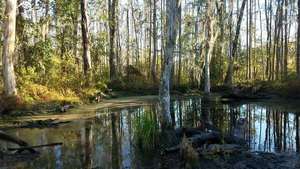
point(15, 140)
point(198, 140)
point(33, 147)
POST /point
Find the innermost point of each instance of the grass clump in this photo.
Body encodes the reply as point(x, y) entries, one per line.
point(146, 131)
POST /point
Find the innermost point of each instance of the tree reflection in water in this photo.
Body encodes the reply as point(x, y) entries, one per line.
point(107, 140)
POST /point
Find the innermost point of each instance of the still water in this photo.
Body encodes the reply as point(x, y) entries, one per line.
point(110, 139)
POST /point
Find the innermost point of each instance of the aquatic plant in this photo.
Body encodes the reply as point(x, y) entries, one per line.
point(146, 130)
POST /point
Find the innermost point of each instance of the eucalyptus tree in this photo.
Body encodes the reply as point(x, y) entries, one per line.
point(212, 33)
point(87, 65)
point(8, 52)
point(170, 40)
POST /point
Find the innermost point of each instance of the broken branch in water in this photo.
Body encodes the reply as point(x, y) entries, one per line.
point(33, 147)
point(12, 139)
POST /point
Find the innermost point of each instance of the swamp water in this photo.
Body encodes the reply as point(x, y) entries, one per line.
point(114, 137)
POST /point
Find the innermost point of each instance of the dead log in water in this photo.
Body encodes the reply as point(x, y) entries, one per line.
point(34, 147)
point(15, 140)
point(198, 140)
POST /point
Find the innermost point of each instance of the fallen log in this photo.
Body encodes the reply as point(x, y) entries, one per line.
point(34, 147)
point(12, 139)
point(206, 138)
point(198, 140)
point(15, 140)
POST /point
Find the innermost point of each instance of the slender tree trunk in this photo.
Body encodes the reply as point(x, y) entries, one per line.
point(45, 26)
point(298, 43)
point(137, 50)
point(286, 39)
point(164, 92)
point(162, 30)
point(9, 48)
point(127, 43)
point(87, 65)
point(179, 46)
point(112, 31)
point(230, 70)
point(212, 32)
point(153, 66)
point(150, 37)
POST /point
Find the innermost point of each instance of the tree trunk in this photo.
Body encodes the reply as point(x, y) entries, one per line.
point(212, 32)
point(230, 70)
point(298, 43)
point(179, 47)
point(112, 31)
point(9, 48)
point(154, 32)
point(87, 65)
point(127, 43)
point(286, 39)
point(45, 26)
point(164, 92)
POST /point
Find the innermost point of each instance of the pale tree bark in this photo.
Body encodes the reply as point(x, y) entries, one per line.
point(87, 65)
point(230, 70)
point(298, 43)
point(164, 92)
point(127, 42)
point(112, 31)
point(137, 50)
point(9, 48)
point(45, 26)
point(212, 32)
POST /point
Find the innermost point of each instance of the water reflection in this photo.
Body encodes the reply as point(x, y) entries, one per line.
point(110, 139)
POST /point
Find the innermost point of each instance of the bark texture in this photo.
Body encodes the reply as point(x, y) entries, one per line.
point(9, 48)
point(87, 65)
point(164, 92)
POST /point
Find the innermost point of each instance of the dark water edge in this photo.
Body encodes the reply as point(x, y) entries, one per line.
point(128, 137)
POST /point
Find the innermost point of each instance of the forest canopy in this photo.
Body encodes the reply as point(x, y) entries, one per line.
point(75, 49)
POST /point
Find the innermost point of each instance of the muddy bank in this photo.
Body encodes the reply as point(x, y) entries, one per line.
point(246, 160)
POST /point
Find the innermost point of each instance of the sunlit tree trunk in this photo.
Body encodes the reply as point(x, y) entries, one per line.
point(212, 33)
point(9, 48)
point(164, 92)
point(230, 70)
point(45, 26)
point(87, 65)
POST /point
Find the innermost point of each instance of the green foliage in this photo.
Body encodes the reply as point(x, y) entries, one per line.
point(146, 131)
